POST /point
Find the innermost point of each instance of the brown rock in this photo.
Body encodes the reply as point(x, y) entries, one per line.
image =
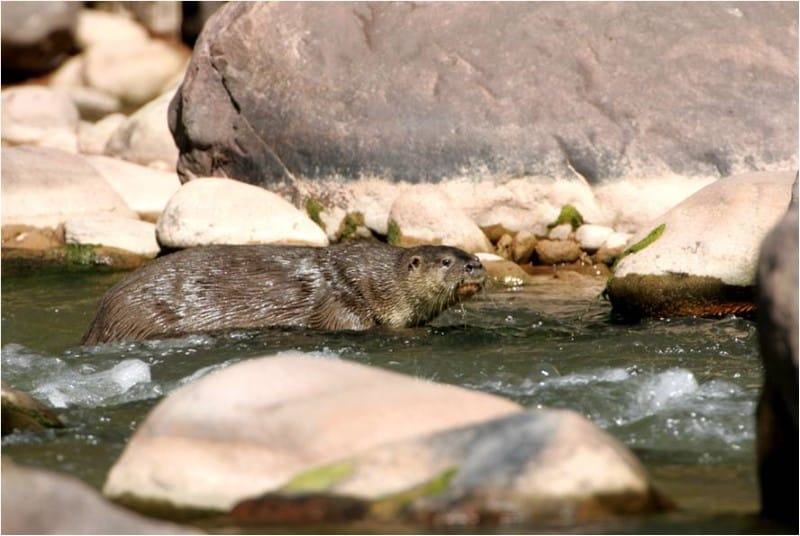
point(522, 247)
point(27, 237)
point(20, 411)
point(557, 251)
point(503, 247)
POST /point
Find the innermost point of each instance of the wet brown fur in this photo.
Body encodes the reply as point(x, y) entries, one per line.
point(350, 286)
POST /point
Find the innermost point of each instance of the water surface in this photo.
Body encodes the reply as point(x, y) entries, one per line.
point(680, 393)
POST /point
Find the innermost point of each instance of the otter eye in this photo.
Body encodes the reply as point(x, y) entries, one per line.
point(446, 262)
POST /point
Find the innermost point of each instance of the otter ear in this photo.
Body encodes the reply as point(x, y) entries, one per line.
point(414, 263)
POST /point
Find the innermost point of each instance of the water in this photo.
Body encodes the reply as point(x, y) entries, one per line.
point(680, 393)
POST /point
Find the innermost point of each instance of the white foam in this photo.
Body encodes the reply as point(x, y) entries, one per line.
point(665, 390)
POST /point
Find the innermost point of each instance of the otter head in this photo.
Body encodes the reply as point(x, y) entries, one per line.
point(440, 276)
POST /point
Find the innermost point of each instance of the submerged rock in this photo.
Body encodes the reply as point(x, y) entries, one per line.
point(700, 257)
point(224, 211)
point(44, 187)
point(36, 501)
point(423, 215)
point(22, 412)
point(251, 427)
point(777, 335)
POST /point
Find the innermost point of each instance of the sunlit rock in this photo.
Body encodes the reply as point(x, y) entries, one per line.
point(224, 211)
point(127, 234)
point(36, 115)
point(22, 412)
point(592, 237)
point(423, 215)
point(557, 251)
point(93, 137)
point(700, 257)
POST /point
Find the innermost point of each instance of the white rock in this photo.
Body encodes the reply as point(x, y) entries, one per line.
point(426, 216)
point(145, 137)
point(560, 232)
point(98, 28)
point(489, 257)
point(93, 137)
point(44, 187)
point(225, 211)
point(134, 73)
point(145, 190)
point(247, 429)
point(617, 240)
point(591, 237)
point(123, 233)
point(717, 231)
point(36, 115)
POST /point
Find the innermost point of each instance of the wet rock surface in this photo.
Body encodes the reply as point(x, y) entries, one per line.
point(777, 332)
point(36, 501)
point(135, 236)
point(700, 257)
point(22, 412)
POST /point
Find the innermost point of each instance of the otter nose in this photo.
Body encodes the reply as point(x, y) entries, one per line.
point(473, 266)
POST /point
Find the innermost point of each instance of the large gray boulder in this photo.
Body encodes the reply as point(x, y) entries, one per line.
point(36, 501)
point(298, 94)
point(777, 335)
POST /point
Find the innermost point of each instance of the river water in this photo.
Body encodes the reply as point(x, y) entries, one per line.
point(680, 393)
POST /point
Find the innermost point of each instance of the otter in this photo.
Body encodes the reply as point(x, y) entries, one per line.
point(349, 286)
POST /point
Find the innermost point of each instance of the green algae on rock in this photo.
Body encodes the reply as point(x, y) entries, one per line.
point(69, 257)
point(569, 214)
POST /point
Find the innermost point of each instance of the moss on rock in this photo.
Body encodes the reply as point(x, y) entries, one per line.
point(393, 235)
point(569, 214)
point(319, 479)
point(314, 210)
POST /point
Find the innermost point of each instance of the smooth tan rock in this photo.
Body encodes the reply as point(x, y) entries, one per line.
point(503, 246)
point(423, 215)
point(27, 237)
point(560, 232)
point(44, 187)
point(93, 137)
point(505, 273)
point(36, 501)
point(251, 427)
point(94, 104)
point(523, 246)
point(36, 115)
point(716, 232)
point(145, 138)
point(224, 211)
point(145, 190)
point(136, 236)
point(557, 251)
point(136, 72)
point(617, 240)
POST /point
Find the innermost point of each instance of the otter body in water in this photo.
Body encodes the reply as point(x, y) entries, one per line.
point(350, 286)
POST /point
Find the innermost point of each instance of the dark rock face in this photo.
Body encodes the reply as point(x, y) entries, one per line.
point(777, 333)
point(430, 91)
point(44, 502)
point(37, 37)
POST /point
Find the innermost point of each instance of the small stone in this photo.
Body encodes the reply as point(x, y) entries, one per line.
point(591, 237)
point(523, 246)
point(224, 211)
point(503, 246)
point(27, 237)
point(607, 256)
point(102, 29)
point(506, 273)
point(135, 236)
point(560, 232)
point(557, 251)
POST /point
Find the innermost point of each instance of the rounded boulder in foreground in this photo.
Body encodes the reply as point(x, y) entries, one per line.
point(250, 428)
point(700, 257)
point(224, 211)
